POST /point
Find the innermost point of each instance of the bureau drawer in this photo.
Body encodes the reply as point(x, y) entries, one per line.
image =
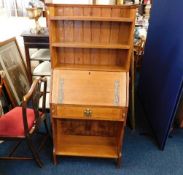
point(89, 112)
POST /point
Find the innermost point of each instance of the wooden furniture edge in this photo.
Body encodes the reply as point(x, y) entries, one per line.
point(91, 5)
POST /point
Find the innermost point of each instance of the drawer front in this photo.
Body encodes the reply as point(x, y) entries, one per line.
point(89, 112)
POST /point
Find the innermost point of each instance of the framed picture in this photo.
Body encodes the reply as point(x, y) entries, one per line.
point(13, 66)
point(6, 100)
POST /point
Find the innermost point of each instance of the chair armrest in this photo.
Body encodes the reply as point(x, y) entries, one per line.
point(33, 97)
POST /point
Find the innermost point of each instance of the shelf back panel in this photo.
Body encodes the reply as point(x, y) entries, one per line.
point(111, 57)
point(90, 128)
point(108, 11)
point(92, 32)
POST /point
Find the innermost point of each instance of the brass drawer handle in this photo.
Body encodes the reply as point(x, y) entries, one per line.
point(88, 112)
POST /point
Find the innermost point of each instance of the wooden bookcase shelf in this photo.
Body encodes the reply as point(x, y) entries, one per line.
point(93, 32)
point(97, 58)
point(87, 146)
point(91, 48)
point(89, 18)
point(91, 67)
point(89, 45)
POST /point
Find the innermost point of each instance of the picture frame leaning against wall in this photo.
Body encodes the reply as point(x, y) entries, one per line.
point(7, 102)
point(12, 63)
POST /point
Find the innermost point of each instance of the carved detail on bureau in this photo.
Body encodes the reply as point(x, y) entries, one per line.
point(116, 92)
point(61, 91)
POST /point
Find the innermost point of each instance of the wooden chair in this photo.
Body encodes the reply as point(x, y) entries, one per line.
point(22, 122)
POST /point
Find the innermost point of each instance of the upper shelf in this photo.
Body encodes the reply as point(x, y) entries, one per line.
point(90, 18)
point(91, 45)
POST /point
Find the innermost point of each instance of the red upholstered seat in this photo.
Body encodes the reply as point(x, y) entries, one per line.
point(14, 128)
point(11, 124)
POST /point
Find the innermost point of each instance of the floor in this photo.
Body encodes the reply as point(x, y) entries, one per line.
point(141, 156)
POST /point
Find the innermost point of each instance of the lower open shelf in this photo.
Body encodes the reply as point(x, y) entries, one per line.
point(86, 146)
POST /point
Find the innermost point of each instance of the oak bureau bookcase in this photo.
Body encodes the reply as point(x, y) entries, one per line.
point(91, 47)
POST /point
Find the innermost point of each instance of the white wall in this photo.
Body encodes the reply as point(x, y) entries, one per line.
point(14, 26)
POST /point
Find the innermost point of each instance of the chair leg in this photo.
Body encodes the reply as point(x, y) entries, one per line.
point(48, 135)
point(43, 142)
point(34, 152)
point(46, 127)
point(15, 148)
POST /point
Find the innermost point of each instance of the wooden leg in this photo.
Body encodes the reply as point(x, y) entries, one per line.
point(16, 158)
point(28, 64)
point(34, 153)
point(132, 92)
point(54, 159)
point(15, 148)
point(43, 143)
point(46, 127)
point(118, 161)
